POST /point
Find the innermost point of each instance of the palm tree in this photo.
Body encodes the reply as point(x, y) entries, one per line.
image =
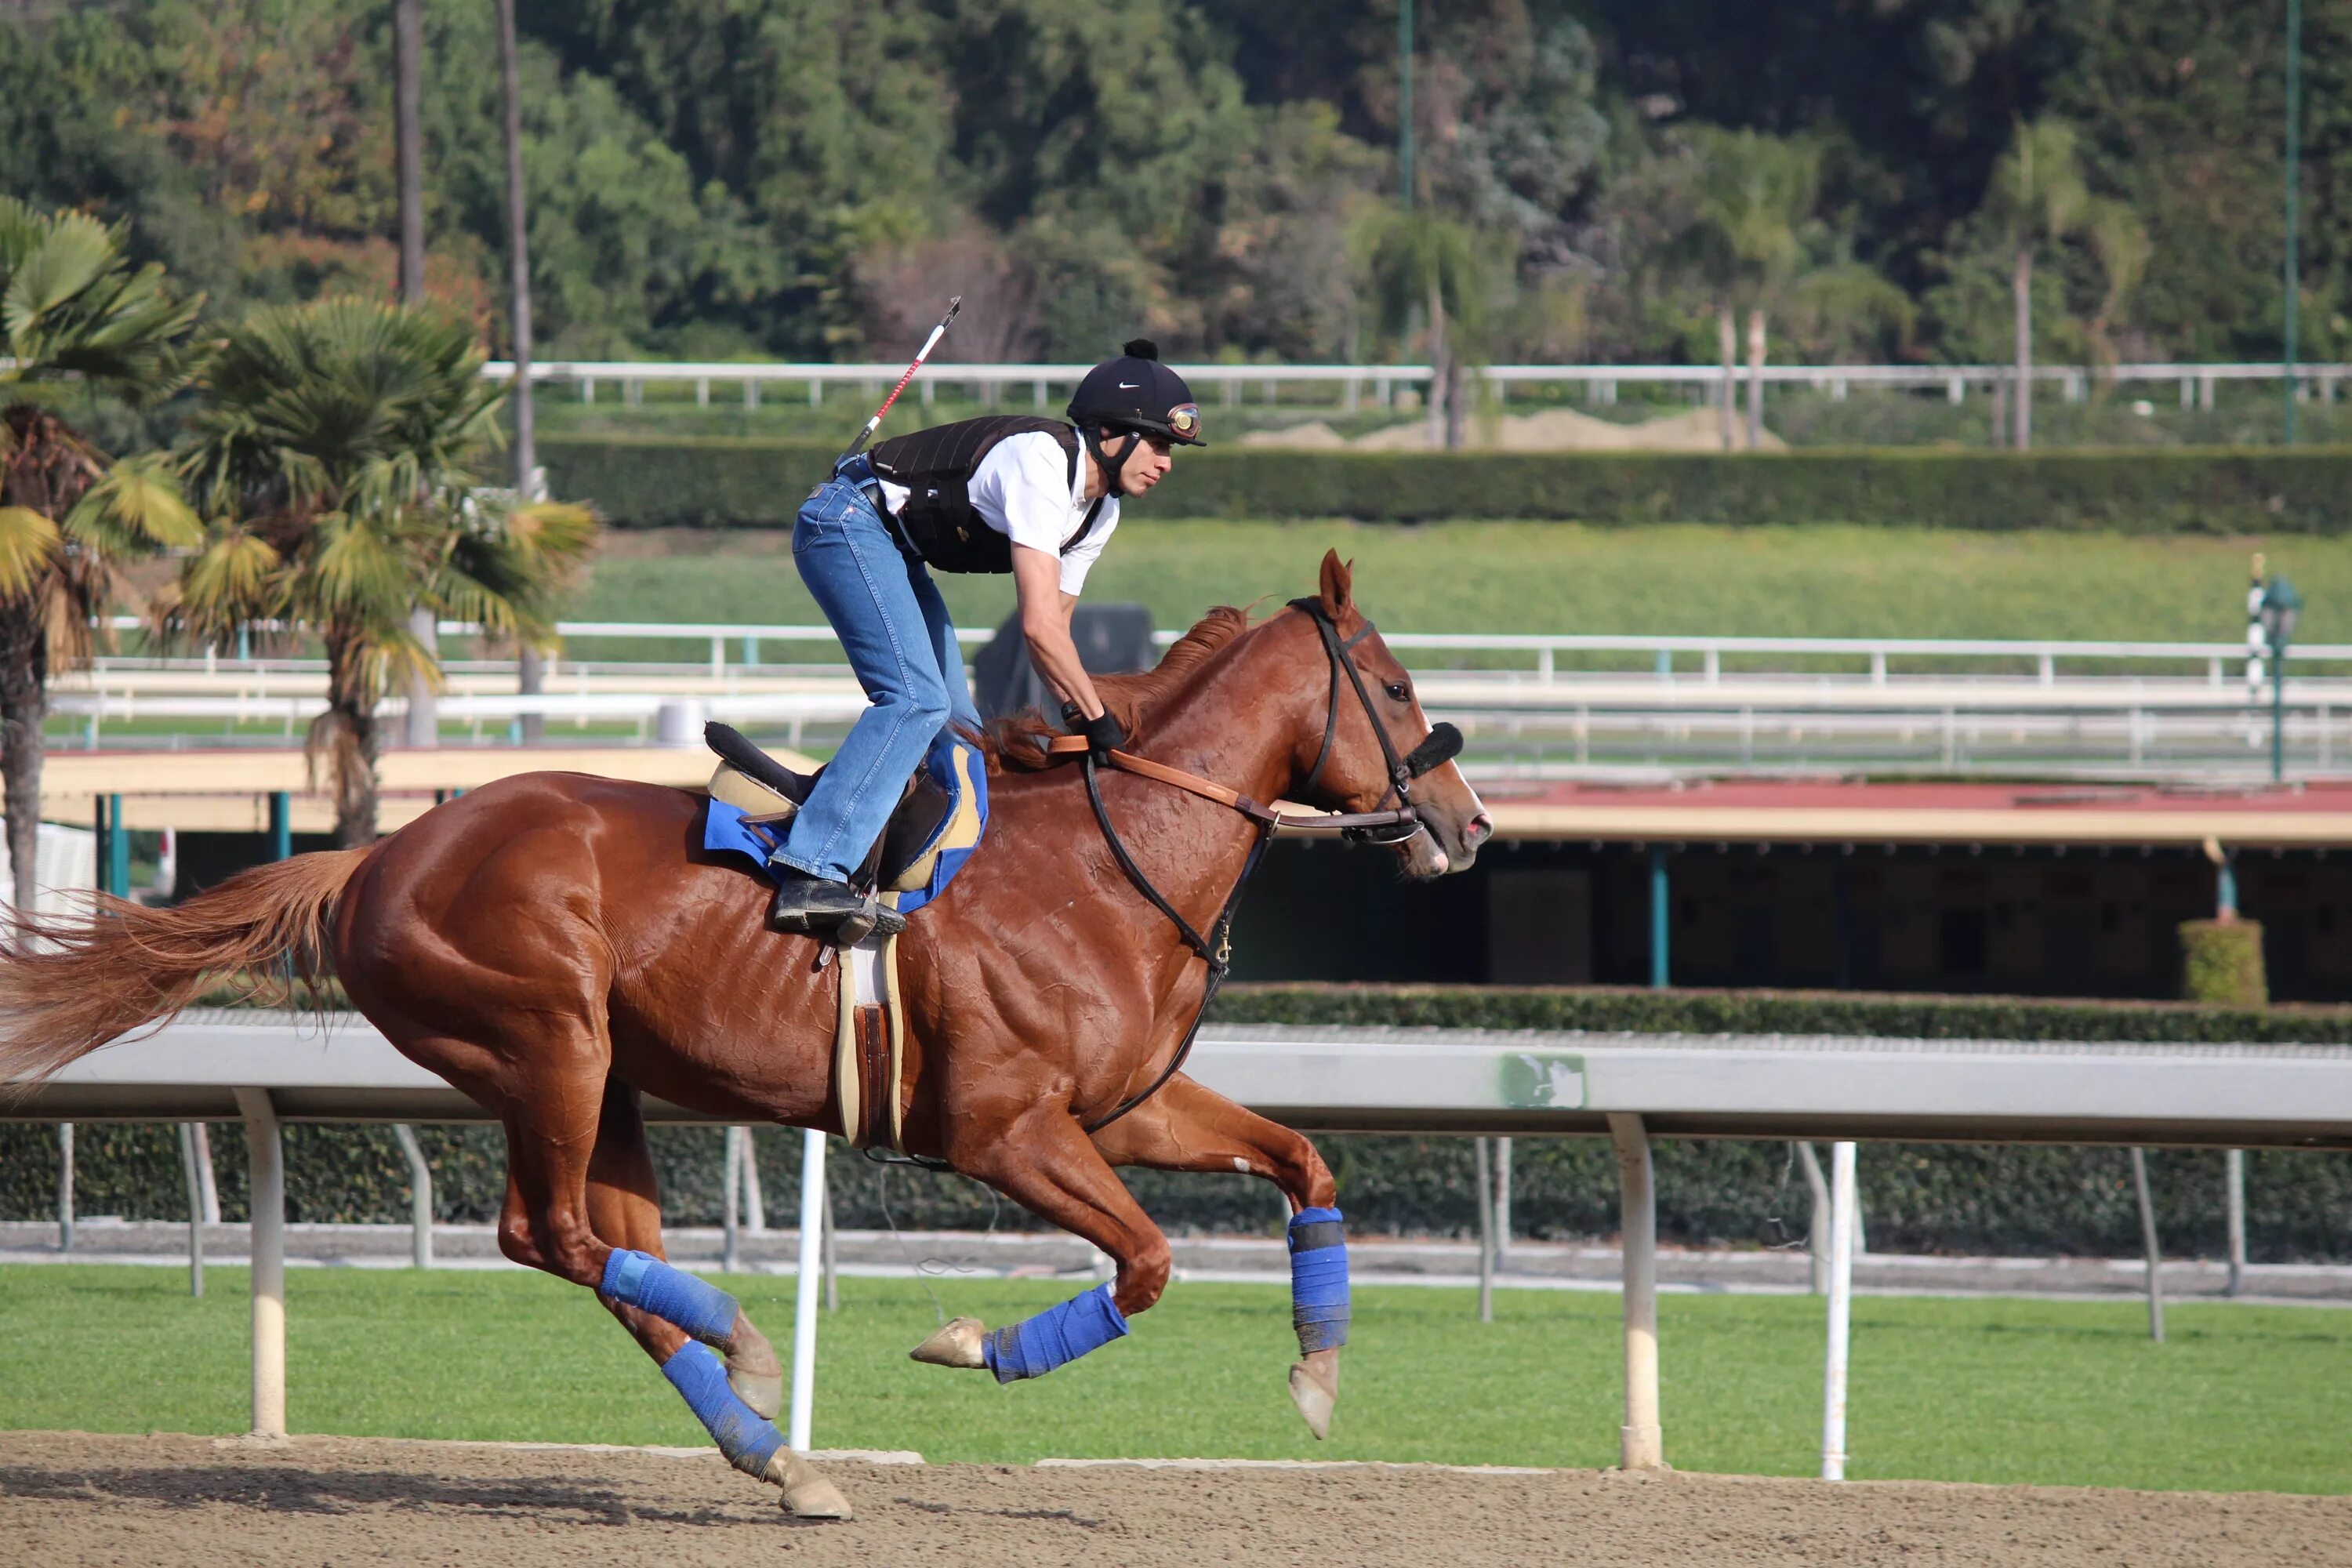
point(70, 304)
point(330, 463)
point(1754, 194)
point(1419, 264)
point(2037, 197)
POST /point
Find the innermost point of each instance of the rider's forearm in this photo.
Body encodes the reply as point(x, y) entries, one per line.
point(1057, 659)
point(1046, 626)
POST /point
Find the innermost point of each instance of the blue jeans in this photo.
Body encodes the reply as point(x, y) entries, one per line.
point(894, 626)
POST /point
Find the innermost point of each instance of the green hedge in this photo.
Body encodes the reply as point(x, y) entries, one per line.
point(1915, 1198)
point(1778, 1012)
point(730, 482)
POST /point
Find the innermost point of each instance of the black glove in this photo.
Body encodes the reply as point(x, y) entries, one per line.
point(1104, 734)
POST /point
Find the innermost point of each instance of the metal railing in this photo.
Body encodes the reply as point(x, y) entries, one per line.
point(1601, 382)
point(1539, 702)
point(1873, 655)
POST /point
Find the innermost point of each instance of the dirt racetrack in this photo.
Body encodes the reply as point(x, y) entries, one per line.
point(75, 1499)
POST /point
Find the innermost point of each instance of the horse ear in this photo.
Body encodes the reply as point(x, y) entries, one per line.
point(1338, 583)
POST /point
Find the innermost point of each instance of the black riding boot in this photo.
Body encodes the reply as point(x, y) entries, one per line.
point(812, 906)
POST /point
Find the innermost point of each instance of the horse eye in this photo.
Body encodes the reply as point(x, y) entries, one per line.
point(1399, 692)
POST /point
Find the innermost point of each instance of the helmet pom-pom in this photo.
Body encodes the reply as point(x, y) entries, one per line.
point(1140, 348)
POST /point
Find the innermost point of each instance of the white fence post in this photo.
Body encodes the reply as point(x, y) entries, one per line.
point(1640, 1440)
point(812, 1265)
point(2149, 1245)
point(65, 1186)
point(731, 1164)
point(1485, 1230)
point(269, 1158)
point(196, 1209)
point(1817, 1234)
point(1840, 1314)
point(1502, 1204)
point(755, 1201)
point(202, 1137)
point(2234, 1176)
point(420, 1197)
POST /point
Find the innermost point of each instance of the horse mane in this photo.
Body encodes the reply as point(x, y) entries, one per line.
point(1016, 740)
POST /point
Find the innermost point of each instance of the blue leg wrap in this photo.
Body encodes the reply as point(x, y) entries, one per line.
point(1054, 1337)
point(747, 1442)
point(1318, 1279)
point(640, 1280)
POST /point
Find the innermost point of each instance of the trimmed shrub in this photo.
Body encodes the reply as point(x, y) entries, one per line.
point(2221, 961)
point(1915, 1198)
point(736, 482)
point(1778, 1012)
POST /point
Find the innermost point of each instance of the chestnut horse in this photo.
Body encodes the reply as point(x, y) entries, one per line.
point(555, 946)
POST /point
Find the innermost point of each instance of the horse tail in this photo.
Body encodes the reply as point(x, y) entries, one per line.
point(70, 983)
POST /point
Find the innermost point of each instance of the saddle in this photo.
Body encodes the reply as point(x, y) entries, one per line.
point(929, 824)
point(902, 860)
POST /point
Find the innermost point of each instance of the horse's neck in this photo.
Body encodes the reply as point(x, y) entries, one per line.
point(1234, 724)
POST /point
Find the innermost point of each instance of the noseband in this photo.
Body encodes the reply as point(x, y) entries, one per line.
point(1393, 825)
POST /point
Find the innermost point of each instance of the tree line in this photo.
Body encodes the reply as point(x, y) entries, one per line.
point(1597, 180)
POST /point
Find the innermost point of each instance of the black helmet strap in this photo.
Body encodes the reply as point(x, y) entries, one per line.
point(1091, 434)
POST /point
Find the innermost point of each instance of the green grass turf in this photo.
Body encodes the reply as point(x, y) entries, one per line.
point(1999, 1391)
point(1830, 580)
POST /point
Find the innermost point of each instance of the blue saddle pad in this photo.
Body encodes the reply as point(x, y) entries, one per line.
point(954, 764)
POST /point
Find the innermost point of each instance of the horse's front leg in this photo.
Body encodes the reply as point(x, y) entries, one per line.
point(1043, 1161)
point(1185, 1127)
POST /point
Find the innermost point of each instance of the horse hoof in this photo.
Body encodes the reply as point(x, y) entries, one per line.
point(1314, 1401)
point(752, 1370)
point(815, 1498)
point(762, 1390)
point(957, 1345)
point(807, 1494)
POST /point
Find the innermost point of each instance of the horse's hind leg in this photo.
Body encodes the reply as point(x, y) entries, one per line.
point(1185, 1127)
point(547, 1083)
point(625, 1210)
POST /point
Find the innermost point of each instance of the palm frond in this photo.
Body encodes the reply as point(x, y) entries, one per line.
point(75, 253)
point(135, 509)
point(234, 580)
point(355, 572)
point(28, 551)
point(556, 537)
point(71, 303)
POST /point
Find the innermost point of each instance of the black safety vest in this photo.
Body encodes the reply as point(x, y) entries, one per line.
point(939, 522)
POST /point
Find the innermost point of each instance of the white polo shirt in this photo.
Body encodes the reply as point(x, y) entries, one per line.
point(1022, 490)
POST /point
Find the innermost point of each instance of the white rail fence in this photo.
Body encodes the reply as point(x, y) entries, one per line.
point(1542, 651)
point(1572, 699)
point(1352, 382)
point(264, 1069)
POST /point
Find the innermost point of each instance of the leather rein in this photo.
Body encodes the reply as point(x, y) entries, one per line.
point(1392, 825)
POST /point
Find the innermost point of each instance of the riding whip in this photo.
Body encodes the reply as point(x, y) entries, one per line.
point(923, 353)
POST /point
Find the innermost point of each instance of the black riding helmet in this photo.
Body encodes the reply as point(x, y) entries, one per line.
point(1137, 395)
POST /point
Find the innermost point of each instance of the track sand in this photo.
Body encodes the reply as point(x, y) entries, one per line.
point(75, 1499)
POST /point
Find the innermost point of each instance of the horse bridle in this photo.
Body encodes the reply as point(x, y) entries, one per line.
point(1391, 825)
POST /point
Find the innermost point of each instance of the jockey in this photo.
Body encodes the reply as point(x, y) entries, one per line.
point(1008, 493)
